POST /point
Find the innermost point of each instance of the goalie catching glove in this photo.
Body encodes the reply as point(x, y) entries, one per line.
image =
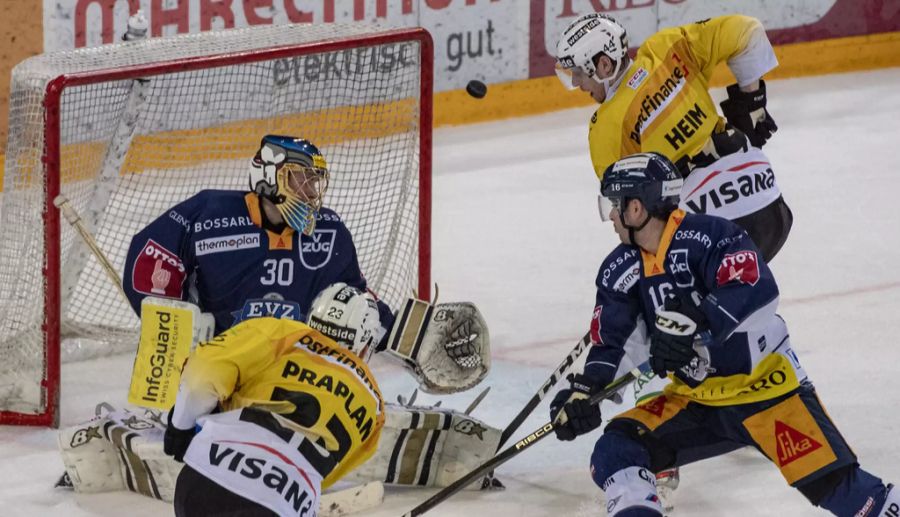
point(446, 346)
point(747, 112)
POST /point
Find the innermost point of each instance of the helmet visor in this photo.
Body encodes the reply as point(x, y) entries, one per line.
point(606, 206)
point(566, 75)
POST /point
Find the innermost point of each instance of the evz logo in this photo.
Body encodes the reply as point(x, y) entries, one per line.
point(315, 250)
point(678, 266)
point(258, 308)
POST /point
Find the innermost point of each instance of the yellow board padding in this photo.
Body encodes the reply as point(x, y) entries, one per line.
point(166, 339)
point(504, 100)
point(234, 140)
point(240, 140)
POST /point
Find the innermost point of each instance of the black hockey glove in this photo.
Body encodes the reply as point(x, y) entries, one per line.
point(570, 411)
point(724, 141)
point(747, 112)
point(672, 341)
point(176, 441)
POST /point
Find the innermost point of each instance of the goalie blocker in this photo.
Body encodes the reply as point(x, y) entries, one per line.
point(169, 331)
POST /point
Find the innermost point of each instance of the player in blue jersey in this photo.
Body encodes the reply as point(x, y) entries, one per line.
point(240, 255)
point(271, 251)
point(696, 289)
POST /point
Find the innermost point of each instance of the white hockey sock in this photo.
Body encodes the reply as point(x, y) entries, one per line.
point(634, 487)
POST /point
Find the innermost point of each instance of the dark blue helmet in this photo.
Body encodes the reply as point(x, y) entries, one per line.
point(649, 177)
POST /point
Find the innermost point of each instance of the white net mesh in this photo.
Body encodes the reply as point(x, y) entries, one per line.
point(130, 149)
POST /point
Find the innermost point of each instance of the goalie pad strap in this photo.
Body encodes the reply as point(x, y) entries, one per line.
point(409, 331)
point(408, 465)
point(427, 446)
point(137, 474)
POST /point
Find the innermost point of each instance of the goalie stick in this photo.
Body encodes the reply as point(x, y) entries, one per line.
point(68, 211)
point(515, 449)
point(489, 482)
point(98, 198)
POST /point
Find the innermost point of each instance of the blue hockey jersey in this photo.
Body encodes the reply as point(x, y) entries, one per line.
point(711, 263)
point(212, 250)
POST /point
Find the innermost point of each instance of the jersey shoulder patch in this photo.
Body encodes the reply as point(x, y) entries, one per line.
point(741, 267)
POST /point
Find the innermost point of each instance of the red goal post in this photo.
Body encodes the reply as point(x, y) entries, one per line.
point(125, 131)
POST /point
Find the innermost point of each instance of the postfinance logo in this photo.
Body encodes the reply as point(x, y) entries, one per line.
point(791, 444)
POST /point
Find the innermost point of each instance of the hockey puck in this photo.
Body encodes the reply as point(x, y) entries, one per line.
point(476, 89)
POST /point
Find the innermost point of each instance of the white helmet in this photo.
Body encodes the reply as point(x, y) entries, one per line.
point(349, 317)
point(583, 39)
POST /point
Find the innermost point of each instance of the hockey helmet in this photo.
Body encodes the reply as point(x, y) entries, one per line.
point(293, 174)
point(583, 39)
point(349, 317)
point(649, 177)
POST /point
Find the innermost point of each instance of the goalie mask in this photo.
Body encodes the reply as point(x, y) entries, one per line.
point(293, 175)
point(349, 317)
point(583, 40)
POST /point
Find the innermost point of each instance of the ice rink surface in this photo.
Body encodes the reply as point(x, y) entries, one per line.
point(516, 231)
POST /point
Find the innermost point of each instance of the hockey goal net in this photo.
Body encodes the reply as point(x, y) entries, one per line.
point(125, 131)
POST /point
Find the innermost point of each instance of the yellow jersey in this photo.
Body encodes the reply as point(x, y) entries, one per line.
point(283, 367)
point(662, 103)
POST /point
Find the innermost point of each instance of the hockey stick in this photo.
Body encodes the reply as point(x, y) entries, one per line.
point(98, 197)
point(515, 449)
point(526, 411)
point(68, 211)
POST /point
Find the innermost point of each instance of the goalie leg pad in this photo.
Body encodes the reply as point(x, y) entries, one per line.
point(446, 346)
point(120, 451)
point(90, 460)
point(428, 446)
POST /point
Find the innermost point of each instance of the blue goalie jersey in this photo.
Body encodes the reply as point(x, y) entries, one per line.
point(212, 250)
point(711, 263)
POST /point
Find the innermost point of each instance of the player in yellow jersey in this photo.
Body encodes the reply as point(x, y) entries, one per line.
point(659, 101)
point(271, 411)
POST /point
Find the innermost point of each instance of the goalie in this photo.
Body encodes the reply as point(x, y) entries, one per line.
point(268, 252)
